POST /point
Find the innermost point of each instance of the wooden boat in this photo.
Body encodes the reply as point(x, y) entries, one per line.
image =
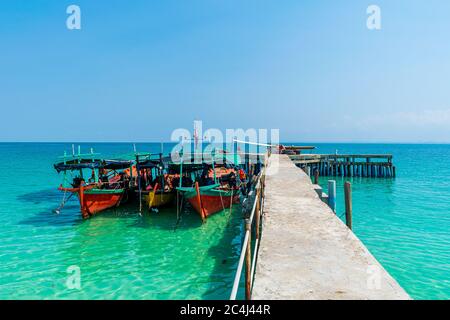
point(158, 198)
point(94, 200)
point(155, 184)
point(215, 187)
point(106, 188)
point(207, 200)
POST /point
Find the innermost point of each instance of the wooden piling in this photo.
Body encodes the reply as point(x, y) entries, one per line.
point(316, 176)
point(348, 204)
point(332, 195)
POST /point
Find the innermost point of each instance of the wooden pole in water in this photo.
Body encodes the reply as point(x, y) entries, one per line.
point(368, 173)
point(348, 204)
point(138, 169)
point(332, 195)
point(248, 262)
point(81, 195)
point(316, 176)
point(178, 205)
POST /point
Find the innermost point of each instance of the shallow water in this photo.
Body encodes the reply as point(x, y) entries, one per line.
point(120, 254)
point(405, 223)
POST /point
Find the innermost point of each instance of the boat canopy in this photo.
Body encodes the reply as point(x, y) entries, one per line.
point(197, 162)
point(117, 164)
point(78, 164)
point(149, 164)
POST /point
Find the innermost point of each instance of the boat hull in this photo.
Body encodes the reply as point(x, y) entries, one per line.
point(93, 200)
point(212, 204)
point(159, 199)
point(209, 200)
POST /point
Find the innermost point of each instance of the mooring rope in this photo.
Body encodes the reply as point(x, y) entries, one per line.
point(221, 200)
point(231, 207)
point(179, 213)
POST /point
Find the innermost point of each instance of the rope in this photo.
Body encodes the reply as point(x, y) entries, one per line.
point(178, 203)
point(179, 211)
point(63, 202)
point(231, 206)
point(221, 200)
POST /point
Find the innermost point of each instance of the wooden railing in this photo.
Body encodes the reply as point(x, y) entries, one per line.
point(252, 224)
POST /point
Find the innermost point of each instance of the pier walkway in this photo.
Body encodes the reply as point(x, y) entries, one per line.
point(306, 251)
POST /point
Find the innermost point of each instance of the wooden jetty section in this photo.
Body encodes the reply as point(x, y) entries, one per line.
point(306, 251)
point(347, 165)
point(295, 150)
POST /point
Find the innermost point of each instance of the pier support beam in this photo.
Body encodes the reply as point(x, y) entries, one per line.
point(348, 204)
point(332, 195)
point(316, 176)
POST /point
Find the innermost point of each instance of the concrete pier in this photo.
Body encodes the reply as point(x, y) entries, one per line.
point(306, 251)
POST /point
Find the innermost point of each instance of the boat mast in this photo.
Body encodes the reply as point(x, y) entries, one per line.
point(181, 165)
point(235, 150)
point(213, 152)
point(79, 161)
point(138, 169)
point(161, 171)
point(65, 172)
point(95, 170)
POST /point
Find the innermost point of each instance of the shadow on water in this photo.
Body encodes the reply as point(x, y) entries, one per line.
point(69, 216)
point(46, 217)
point(226, 257)
point(42, 196)
point(224, 252)
point(165, 218)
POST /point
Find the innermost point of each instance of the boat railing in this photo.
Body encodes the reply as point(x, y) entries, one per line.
point(114, 185)
point(249, 251)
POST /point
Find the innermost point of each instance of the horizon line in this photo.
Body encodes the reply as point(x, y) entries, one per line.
point(282, 142)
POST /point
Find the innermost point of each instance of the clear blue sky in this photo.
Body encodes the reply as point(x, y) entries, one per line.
point(139, 69)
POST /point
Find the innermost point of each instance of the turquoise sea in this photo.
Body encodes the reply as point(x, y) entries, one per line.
point(120, 255)
point(405, 223)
